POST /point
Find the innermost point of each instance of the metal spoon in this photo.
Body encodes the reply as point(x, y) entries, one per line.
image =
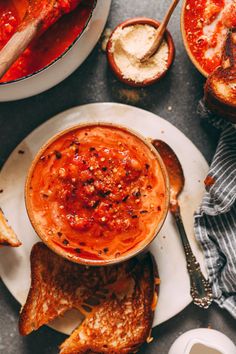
point(200, 289)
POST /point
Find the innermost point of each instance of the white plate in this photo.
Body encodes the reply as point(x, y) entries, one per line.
point(64, 66)
point(167, 248)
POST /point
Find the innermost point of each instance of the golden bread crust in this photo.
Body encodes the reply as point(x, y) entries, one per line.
point(118, 301)
point(118, 325)
point(220, 93)
point(220, 87)
point(7, 235)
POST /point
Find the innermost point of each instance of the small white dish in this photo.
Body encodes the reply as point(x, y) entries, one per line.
point(167, 248)
point(203, 341)
point(64, 66)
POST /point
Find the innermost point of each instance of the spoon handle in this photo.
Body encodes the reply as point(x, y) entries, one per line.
point(200, 290)
point(160, 32)
point(16, 46)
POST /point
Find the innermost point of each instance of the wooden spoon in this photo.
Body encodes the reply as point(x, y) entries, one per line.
point(160, 33)
point(200, 290)
point(40, 15)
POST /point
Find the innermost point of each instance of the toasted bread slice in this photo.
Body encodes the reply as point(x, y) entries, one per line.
point(118, 301)
point(122, 322)
point(220, 88)
point(58, 285)
point(7, 235)
point(220, 93)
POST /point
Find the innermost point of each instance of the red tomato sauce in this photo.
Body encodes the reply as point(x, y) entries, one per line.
point(205, 44)
point(8, 21)
point(46, 48)
point(97, 192)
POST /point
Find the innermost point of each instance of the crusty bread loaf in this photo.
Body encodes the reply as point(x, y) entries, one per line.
point(118, 301)
point(7, 235)
point(220, 88)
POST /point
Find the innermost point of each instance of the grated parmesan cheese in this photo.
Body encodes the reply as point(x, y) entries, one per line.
point(129, 44)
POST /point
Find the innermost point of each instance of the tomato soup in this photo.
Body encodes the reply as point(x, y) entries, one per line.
point(96, 192)
point(206, 23)
point(48, 46)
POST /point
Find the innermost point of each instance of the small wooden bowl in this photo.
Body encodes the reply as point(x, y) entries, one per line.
point(186, 44)
point(116, 69)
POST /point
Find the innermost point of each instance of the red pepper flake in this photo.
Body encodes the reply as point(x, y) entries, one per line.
point(82, 244)
point(45, 196)
point(58, 154)
point(77, 250)
point(134, 216)
point(21, 152)
point(96, 204)
point(59, 233)
point(125, 198)
point(137, 194)
point(149, 187)
point(105, 250)
point(143, 211)
point(65, 242)
point(92, 149)
point(104, 194)
point(159, 208)
point(89, 181)
point(147, 166)
point(75, 142)
point(104, 168)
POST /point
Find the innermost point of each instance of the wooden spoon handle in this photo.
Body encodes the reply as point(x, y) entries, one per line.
point(16, 45)
point(160, 32)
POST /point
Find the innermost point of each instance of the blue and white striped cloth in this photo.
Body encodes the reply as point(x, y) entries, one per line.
point(215, 220)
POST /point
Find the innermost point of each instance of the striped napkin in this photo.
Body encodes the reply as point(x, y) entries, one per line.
point(215, 220)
